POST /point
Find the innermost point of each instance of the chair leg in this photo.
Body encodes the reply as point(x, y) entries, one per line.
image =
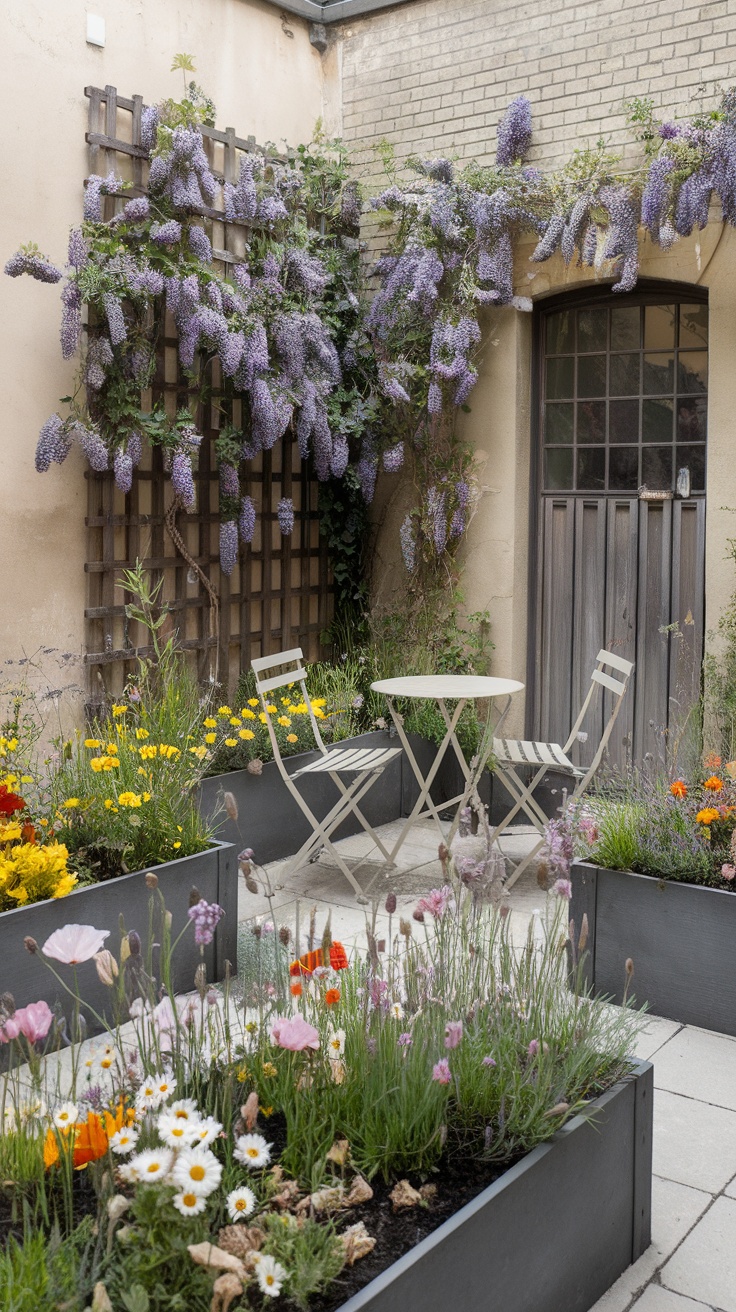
point(325, 829)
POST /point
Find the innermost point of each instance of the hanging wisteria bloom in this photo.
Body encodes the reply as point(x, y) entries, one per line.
point(514, 132)
point(285, 515)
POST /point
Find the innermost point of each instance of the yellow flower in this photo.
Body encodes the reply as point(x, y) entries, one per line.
point(148, 752)
point(301, 709)
point(143, 771)
point(26, 778)
point(96, 763)
point(285, 721)
point(210, 738)
point(129, 799)
point(65, 885)
point(286, 701)
point(109, 763)
point(111, 749)
point(224, 710)
point(231, 742)
point(269, 1070)
point(318, 714)
point(141, 734)
point(262, 718)
point(10, 832)
point(272, 710)
point(92, 742)
point(11, 744)
point(119, 710)
point(318, 701)
point(199, 752)
point(707, 815)
point(252, 701)
point(242, 1074)
point(292, 738)
point(71, 802)
point(246, 734)
point(210, 723)
point(248, 715)
point(108, 804)
point(146, 797)
point(176, 844)
point(168, 750)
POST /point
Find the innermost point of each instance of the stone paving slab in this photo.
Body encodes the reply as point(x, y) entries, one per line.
point(704, 1267)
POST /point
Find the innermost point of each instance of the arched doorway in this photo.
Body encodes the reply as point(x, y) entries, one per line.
point(618, 507)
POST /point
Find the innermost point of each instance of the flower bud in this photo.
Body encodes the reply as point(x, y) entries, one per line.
point(629, 967)
point(584, 935)
point(418, 915)
point(194, 896)
point(117, 1206)
point(30, 945)
point(391, 903)
point(231, 806)
point(168, 919)
point(106, 967)
point(134, 944)
point(285, 935)
point(151, 880)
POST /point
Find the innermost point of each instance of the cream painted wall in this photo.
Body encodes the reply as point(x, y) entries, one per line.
point(265, 78)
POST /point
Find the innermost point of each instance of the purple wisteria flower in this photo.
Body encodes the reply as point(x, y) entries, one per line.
point(115, 318)
point(367, 470)
point(228, 546)
point(408, 544)
point(78, 249)
point(350, 206)
point(241, 199)
point(550, 240)
point(35, 265)
point(149, 126)
point(123, 467)
point(285, 516)
point(206, 917)
point(135, 210)
point(589, 245)
point(393, 458)
point(340, 457)
point(71, 320)
point(53, 444)
point(622, 240)
point(574, 227)
point(229, 481)
point(437, 516)
point(514, 132)
point(182, 479)
point(247, 520)
point(166, 234)
point(93, 446)
point(656, 197)
point(199, 243)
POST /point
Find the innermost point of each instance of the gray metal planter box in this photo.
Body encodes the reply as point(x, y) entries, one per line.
point(270, 822)
point(214, 872)
point(680, 937)
point(552, 1234)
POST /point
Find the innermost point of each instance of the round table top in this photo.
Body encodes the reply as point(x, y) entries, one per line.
point(440, 686)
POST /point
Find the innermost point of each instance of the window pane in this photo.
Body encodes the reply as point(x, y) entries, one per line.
point(592, 375)
point(692, 371)
point(623, 470)
point(659, 373)
point(692, 419)
point(625, 375)
point(625, 323)
point(560, 375)
point(656, 467)
point(591, 421)
point(623, 421)
point(559, 468)
point(591, 468)
point(694, 325)
point(592, 328)
point(692, 458)
point(561, 332)
point(659, 327)
point(558, 423)
point(656, 421)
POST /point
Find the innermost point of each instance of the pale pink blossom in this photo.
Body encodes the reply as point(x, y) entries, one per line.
point(436, 902)
point(728, 872)
point(453, 1033)
point(33, 1022)
point(73, 944)
point(441, 1071)
point(563, 888)
point(294, 1033)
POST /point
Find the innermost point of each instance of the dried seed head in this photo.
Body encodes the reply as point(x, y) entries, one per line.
point(584, 929)
point(418, 915)
point(30, 945)
point(504, 911)
point(249, 1111)
point(134, 944)
point(629, 967)
point(200, 979)
point(151, 880)
point(194, 896)
point(231, 806)
point(404, 928)
point(106, 967)
point(250, 883)
point(7, 1005)
point(391, 903)
point(285, 935)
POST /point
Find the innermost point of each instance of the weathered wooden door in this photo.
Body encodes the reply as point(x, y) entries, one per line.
point(620, 526)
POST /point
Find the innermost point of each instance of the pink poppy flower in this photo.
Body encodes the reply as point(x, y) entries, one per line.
point(436, 902)
point(73, 944)
point(295, 1034)
point(441, 1071)
point(33, 1021)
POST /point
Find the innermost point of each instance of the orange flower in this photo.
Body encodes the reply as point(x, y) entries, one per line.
point(332, 996)
point(712, 761)
point(90, 1137)
point(338, 956)
point(714, 784)
point(708, 815)
point(678, 788)
point(311, 960)
point(296, 989)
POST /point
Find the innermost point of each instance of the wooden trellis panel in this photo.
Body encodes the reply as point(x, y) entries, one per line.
point(280, 592)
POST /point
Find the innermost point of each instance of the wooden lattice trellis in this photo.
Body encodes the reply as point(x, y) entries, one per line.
point(280, 593)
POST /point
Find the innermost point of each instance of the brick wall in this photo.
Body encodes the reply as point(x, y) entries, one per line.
point(436, 75)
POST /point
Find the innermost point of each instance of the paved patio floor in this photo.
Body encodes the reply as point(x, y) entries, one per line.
point(691, 1264)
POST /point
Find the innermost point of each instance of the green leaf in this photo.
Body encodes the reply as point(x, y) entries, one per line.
point(184, 61)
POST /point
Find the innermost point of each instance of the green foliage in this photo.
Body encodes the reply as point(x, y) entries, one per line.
point(41, 1273)
point(150, 1268)
point(310, 1252)
point(720, 679)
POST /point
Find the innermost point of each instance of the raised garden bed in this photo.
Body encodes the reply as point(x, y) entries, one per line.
point(270, 822)
point(213, 872)
point(680, 937)
point(552, 1234)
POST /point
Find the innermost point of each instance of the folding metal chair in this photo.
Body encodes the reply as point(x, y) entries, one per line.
point(511, 753)
point(364, 763)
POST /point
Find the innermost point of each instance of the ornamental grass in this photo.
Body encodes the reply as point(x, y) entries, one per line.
point(222, 1149)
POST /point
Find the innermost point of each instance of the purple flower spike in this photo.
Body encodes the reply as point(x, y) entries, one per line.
point(53, 444)
point(228, 546)
point(285, 516)
point(247, 520)
point(182, 479)
point(408, 544)
point(206, 917)
point(514, 132)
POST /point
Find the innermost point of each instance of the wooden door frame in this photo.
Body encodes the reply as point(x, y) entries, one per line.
point(649, 291)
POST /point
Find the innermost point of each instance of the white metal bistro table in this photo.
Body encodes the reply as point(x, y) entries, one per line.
point(441, 688)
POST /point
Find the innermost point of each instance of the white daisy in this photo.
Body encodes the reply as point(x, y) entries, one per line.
point(335, 1044)
point(165, 1085)
point(197, 1170)
point(174, 1132)
point(128, 1173)
point(152, 1165)
point(124, 1141)
point(252, 1150)
point(205, 1131)
point(241, 1203)
point(397, 1011)
point(270, 1274)
point(66, 1115)
point(105, 1058)
point(185, 1109)
point(148, 1096)
point(189, 1203)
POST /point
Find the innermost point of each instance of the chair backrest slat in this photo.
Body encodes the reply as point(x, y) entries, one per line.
point(614, 685)
point(280, 658)
point(280, 680)
point(610, 658)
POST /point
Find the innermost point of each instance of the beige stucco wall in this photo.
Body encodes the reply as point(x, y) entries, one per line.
point(265, 78)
